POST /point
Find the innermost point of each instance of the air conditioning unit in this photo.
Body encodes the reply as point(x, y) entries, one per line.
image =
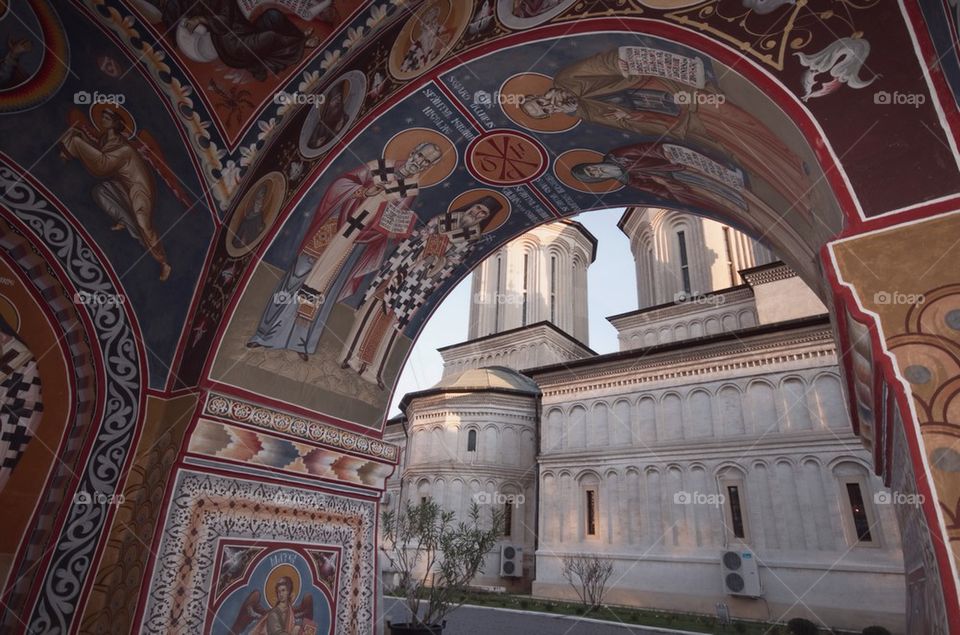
point(511, 561)
point(740, 575)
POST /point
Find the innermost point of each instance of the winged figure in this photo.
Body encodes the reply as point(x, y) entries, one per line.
point(282, 619)
point(111, 149)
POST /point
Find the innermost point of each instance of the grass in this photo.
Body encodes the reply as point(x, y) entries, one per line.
point(627, 615)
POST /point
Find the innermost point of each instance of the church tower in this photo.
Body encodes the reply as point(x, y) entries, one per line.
point(540, 276)
point(528, 305)
point(680, 255)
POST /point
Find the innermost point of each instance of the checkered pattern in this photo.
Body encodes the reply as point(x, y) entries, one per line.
point(20, 405)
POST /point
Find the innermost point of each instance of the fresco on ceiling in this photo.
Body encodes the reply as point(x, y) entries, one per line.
point(107, 150)
point(36, 407)
point(942, 19)
point(462, 166)
point(34, 54)
point(239, 53)
point(264, 591)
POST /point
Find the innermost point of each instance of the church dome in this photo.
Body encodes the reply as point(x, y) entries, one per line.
point(490, 377)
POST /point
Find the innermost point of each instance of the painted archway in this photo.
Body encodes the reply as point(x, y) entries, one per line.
point(263, 205)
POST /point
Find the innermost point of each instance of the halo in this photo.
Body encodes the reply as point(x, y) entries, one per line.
point(128, 121)
point(276, 188)
point(565, 162)
point(270, 584)
point(400, 145)
point(456, 17)
point(8, 310)
point(471, 196)
point(506, 15)
point(532, 84)
point(355, 84)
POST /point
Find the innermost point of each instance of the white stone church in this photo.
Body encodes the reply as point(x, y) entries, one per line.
point(711, 457)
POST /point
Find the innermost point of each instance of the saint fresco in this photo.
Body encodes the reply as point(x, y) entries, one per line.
point(428, 36)
point(328, 120)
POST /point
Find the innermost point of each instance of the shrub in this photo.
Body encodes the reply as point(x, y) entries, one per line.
point(800, 626)
point(588, 575)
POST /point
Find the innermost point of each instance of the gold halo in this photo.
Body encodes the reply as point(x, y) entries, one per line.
point(532, 84)
point(565, 162)
point(471, 196)
point(399, 147)
point(9, 312)
point(276, 188)
point(128, 121)
point(456, 15)
point(270, 584)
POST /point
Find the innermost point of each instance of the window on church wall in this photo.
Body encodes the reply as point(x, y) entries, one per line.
point(736, 511)
point(526, 287)
point(684, 261)
point(591, 512)
point(472, 441)
point(858, 511)
point(498, 295)
point(508, 517)
point(553, 289)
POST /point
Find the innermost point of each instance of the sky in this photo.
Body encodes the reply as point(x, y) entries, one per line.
point(611, 289)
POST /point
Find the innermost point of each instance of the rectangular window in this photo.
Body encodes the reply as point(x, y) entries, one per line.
point(496, 298)
point(526, 291)
point(736, 512)
point(684, 262)
point(729, 249)
point(507, 518)
point(472, 441)
point(591, 512)
point(859, 511)
point(553, 289)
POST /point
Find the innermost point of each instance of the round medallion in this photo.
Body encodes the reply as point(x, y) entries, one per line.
point(505, 158)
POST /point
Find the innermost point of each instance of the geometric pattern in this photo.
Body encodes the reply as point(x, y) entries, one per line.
point(206, 509)
point(20, 402)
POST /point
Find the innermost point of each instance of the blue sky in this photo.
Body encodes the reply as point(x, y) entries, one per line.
point(612, 289)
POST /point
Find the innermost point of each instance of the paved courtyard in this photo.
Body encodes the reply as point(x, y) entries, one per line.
point(475, 620)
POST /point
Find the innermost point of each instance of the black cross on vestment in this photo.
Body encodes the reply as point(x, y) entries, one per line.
point(355, 223)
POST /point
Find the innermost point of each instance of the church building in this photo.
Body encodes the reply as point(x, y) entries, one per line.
point(714, 442)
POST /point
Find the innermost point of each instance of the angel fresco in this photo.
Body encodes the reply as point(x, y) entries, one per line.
point(360, 213)
point(656, 93)
point(283, 618)
point(412, 274)
point(111, 149)
point(11, 72)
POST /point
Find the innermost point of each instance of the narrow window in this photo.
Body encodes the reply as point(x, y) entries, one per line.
point(591, 512)
point(424, 499)
point(729, 249)
point(736, 512)
point(508, 516)
point(526, 290)
point(472, 441)
point(684, 263)
point(860, 522)
point(553, 289)
point(496, 297)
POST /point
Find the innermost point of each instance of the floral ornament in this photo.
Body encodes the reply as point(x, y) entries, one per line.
point(842, 60)
point(377, 15)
